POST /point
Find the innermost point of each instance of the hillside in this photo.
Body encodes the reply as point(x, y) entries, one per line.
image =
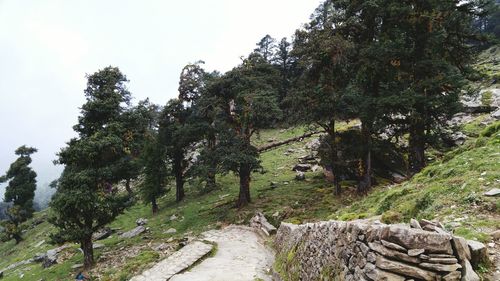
point(450, 190)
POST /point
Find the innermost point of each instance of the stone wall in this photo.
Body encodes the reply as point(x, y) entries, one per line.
point(363, 250)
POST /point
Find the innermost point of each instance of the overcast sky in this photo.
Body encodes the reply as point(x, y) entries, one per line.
point(47, 47)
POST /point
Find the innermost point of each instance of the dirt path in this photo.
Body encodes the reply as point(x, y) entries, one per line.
point(241, 255)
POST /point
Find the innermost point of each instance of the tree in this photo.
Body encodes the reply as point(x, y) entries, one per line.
point(85, 199)
point(20, 191)
point(438, 62)
point(266, 47)
point(321, 97)
point(138, 122)
point(155, 170)
point(247, 96)
point(178, 134)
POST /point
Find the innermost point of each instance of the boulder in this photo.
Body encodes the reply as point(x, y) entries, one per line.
point(76, 266)
point(468, 273)
point(478, 252)
point(134, 232)
point(458, 138)
point(496, 114)
point(495, 235)
point(405, 269)
point(141, 221)
point(461, 248)
point(301, 167)
point(418, 239)
point(259, 221)
point(300, 176)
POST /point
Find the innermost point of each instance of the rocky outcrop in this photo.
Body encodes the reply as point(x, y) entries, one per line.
point(363, 250)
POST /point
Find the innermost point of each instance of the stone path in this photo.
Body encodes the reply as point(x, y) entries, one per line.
point(175, 263)
point(241, 255)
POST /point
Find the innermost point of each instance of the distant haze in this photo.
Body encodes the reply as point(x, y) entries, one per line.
point(47, 47)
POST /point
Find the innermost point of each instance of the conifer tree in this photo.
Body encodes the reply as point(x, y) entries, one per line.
point(20, 191)
point(85, 199)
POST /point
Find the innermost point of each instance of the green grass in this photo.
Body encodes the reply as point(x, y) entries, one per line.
point(448, 189)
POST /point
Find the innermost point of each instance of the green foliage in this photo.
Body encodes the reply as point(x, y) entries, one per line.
point(491, 130)
point(390, 217)
point(85, 200)
point(155, 171)
point(20, 191)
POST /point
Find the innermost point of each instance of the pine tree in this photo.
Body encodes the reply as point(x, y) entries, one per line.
point(247, 96)
point(85, 199)
point(20, 191)
point(155, 170)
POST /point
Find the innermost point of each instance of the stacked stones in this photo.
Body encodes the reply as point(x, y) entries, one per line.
point(362, 250)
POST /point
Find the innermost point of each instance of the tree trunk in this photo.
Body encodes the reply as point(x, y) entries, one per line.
point(88, 252)
point(179, 187)
point(154, 206)
point(244, 196)
point(127, 187)
point(416, 155)
point(179, 178)
point(365, 173)
point(17, 237)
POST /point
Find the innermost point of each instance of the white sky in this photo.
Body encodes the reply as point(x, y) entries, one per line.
point(47, 47)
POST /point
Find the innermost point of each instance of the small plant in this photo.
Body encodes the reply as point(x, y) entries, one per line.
point(487, 98)
point(391, 217)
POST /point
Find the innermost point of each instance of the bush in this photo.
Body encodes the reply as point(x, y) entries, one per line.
point(390, 217)
point(491, 130)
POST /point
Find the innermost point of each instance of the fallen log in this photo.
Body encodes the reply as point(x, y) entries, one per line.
point(287, 141)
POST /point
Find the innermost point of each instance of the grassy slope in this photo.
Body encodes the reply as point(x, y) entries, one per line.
point(447, 189)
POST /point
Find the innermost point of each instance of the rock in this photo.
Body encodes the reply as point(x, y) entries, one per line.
point(496, 114)
point(414, 224)
point(134, 232)
point(141, 221)
point(443, 260)
point(493, 192)
point(259, 221)
point(379, 248)
point(478, 252)
point(458, 138)
point(404, 269)
point(97, 246)
point(461, 248)
point(273, 185)
point(302, 167)
point(39, 257)
point(440, 267)
point(102, 233)
point(313, 144)
point(300, 176)
point(393, 246)
point(418, 239)
point(170, 231)
point(468, 273)
point(376, 274)
point(315, 168)
point(173, 217)
point(495, 235)
point(76, 266)
point(453, 276)
point(415, 252)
